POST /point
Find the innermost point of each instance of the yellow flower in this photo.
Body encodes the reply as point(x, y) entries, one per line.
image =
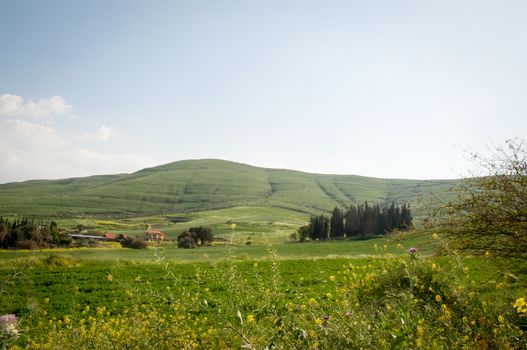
point(487, 254)
point(438, 298)
point(435, 236)
point(332, 277)
point(233, 226)
point(318, 321)
point(501, 319)
point(312, 301)
point(250, 318)
point(420, 330)
point(434, 266)
point(109, 277)
point(521, 306)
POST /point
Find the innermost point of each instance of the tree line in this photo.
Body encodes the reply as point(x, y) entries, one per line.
point(26, 233)
point(356, 221)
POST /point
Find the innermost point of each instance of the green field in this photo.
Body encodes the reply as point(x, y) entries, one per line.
point(321, 295)
point(370, 294)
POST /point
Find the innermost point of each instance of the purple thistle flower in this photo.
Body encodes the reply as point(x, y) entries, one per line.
point(8, 319)
point(412, 250)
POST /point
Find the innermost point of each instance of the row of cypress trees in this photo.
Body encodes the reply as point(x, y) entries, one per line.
point(358, 220)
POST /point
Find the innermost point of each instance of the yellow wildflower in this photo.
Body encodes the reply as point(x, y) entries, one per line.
point(521, 306)
point(250, 318)
point(332, 277)
point(438, 298)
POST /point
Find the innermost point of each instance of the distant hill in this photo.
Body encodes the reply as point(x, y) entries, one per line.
point(198, 185)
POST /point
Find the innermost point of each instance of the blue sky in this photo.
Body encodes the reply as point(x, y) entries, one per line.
point(377, 88)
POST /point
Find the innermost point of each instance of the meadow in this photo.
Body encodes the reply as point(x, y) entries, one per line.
point(319, 295)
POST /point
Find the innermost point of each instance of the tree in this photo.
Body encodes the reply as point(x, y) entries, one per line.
point(337, 223)
point(186, 240)
point(202, 234)
point(490, 212)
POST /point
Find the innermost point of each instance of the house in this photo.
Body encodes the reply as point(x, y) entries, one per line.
point(153, 235)
point(110, 236)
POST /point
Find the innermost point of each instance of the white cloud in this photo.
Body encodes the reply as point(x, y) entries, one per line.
point(34, 149)
point(15, 106)
point(29, 150)
point(102, 135)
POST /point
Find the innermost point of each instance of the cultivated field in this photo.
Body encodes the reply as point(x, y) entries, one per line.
point(327, 295)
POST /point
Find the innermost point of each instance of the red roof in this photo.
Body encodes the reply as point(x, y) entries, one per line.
point(154, 232)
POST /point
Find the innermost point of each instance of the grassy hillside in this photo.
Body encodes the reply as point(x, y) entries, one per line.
point(202, 185)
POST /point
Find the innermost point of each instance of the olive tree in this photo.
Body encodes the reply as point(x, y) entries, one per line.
point(489, 215)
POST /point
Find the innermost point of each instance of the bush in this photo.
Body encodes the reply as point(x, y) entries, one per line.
point(134, 243)
point(186, 240)
point(27, 244)
point(490, 213)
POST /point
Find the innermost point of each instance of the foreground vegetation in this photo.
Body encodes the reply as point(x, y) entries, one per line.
point(392, 299)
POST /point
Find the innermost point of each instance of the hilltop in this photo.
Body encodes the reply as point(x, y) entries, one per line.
point(201, 185)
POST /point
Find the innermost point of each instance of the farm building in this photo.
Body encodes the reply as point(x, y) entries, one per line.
point(153, 235)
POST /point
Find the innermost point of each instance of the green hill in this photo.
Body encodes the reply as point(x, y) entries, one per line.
point(201, 185)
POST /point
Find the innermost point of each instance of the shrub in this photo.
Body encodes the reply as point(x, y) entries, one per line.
point(186, 240)
point(27, 244)
point(490, 213)
point(134, 243)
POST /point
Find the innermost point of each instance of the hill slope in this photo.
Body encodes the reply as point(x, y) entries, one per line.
point(197, 185)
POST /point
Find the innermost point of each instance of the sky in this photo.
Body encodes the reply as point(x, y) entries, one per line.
point(392, 89)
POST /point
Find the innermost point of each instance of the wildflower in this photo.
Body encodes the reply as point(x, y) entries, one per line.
point(435, 236)
point(312, 301)
point(521, 306)
point(438, 298)
point(412, 250)
point(487, 254)
point(501, 319)
point(434, 266)
point(8, 325)
point(332, 277)
point(109, 277)
point(233, 226)
point(318, 321)
point(250, 318)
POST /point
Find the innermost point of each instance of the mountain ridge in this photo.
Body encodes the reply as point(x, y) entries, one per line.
point(205, 184)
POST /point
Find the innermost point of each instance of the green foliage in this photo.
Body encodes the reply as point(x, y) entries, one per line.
point(361, 220)
point(377, 303)
point(490, 214)
point(134, 243)
point(186, 240)
point(202, 235)
point(28, 234)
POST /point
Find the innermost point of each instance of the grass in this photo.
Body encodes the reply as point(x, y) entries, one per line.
point(273, 300)
point(203, 185)
point(279, 250)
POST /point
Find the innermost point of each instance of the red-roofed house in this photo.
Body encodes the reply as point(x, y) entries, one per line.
point(110, 236)
point(153, 235)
